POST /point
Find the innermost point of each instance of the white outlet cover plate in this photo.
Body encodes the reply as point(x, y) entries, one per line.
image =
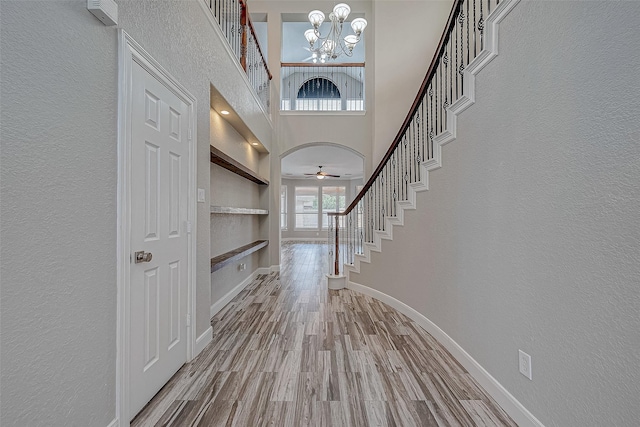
point(524, 364)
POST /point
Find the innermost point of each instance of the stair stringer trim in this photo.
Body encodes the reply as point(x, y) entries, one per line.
point(448, 135)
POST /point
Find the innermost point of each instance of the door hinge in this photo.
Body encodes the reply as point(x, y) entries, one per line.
point(189, 135)
point(188, 320)
point(188, 224)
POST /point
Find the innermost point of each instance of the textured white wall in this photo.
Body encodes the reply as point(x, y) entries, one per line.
point(229, 232)
point(230, 189)
point(58, 215)
point(272, 225)
point(59, 160)
point(229, 276)
point(529, 237)
point(406, 34)
point(226, 139)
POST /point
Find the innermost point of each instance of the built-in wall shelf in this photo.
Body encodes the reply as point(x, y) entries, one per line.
point(221, 159)
point(237, 211)
point(226, 258)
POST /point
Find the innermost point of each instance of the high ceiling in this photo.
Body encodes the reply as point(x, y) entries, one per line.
point(334, 160)
point(294, 44)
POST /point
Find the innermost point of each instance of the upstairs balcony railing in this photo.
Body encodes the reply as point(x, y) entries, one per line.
point(462, 41)
point(233, 18)
point(322, 87)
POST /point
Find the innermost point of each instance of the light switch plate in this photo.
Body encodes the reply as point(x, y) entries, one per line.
point(201, 197)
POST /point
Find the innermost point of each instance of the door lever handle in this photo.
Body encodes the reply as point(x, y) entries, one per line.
point(142, 256)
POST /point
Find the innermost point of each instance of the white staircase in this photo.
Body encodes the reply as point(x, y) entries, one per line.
point(448, 135)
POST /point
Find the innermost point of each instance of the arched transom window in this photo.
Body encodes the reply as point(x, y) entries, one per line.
point(319, 94)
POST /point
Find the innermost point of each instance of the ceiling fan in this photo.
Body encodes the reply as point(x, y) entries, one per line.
point(313, 55)
point(321, 174)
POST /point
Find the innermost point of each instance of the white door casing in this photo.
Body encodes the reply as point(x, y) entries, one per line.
point(156, 215)
point(159, 188)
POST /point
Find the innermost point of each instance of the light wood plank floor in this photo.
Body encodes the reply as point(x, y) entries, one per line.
point(289, 352)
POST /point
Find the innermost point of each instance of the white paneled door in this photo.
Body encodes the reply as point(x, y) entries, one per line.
point(159, 241)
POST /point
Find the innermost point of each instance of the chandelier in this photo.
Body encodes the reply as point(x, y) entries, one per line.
point(333, 45)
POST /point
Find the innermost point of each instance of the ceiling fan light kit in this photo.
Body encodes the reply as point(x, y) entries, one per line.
point(322, 174)
point(333, 45)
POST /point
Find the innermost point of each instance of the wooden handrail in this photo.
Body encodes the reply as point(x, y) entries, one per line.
point(423, 87)
point(243, 5)
point(310, 64)
point(336, 262)
point(243, 39)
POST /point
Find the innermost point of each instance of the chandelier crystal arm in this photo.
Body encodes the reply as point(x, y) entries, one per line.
point(333, 45)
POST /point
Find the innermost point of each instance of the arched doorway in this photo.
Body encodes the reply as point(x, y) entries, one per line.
point(305, 199)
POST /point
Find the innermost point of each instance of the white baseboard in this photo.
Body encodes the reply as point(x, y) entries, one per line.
point(506, 400)
point(218, 305)
point(268, 270)
point(203, 340)
point(114, 423)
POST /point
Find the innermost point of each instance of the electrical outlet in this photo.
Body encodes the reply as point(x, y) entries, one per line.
point(524, 364)
point(242, 266)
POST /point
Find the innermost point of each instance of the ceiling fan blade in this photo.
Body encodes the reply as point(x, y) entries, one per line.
point(322, 173)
